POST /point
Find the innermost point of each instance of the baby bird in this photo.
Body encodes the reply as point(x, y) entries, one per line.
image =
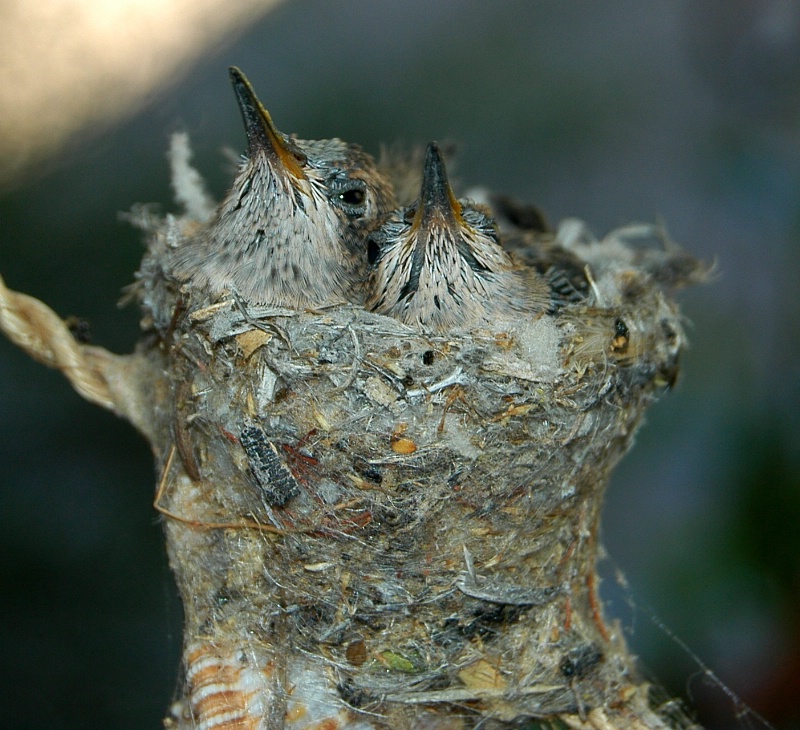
point(291, 232)
point(438, 266)
point(527, 236)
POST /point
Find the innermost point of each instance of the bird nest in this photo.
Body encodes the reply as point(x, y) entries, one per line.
point(381, 510)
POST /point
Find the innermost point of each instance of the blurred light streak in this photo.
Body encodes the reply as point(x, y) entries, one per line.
point(69, 64)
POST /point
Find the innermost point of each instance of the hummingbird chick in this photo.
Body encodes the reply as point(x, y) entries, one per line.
point(291, 232)
point(528, 237)
point(438, 265)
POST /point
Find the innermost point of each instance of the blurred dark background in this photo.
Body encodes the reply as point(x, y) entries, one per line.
point(612, 112)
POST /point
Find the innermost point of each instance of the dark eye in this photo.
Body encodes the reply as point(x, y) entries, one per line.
point(353, 197)
point(350, 196)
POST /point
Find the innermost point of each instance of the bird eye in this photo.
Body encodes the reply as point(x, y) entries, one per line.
point(350, 196)
point(353, 197)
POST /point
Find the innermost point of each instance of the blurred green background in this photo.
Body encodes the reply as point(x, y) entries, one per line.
point(613, 112)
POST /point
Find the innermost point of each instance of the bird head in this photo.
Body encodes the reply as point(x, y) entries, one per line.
point(437, 264)
point(291, 231)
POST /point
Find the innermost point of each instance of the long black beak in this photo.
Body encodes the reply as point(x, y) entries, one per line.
point(436, 198)
point(262, 135)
